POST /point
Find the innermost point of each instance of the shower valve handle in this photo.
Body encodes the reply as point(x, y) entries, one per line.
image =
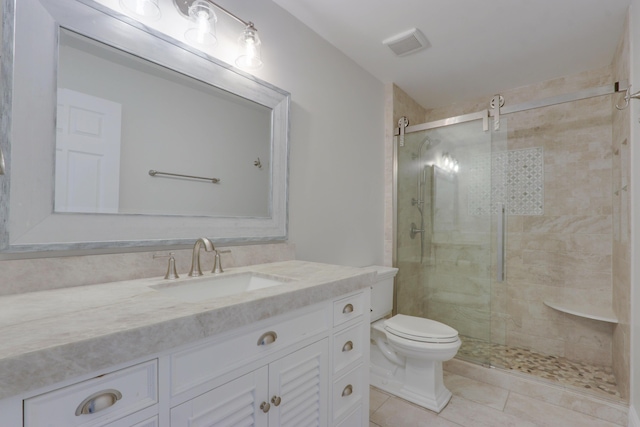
point(415, 230)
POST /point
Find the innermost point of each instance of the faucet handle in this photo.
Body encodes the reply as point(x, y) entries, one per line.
point(171, 267)
point(217, 265)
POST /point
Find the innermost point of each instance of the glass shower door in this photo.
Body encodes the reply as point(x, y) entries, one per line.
point(445, 231)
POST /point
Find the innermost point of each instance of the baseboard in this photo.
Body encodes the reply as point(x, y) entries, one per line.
point(634, 421)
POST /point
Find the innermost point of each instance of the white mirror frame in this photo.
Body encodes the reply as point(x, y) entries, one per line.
point(27, 135)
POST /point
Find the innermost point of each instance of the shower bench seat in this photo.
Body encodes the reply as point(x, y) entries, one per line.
point(604, 314)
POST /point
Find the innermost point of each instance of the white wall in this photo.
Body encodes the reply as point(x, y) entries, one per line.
point(634, 420)
point(337, 139)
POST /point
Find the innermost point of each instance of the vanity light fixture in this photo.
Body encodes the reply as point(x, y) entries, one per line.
point(449, 163)
point(202, 14)
point(148, 9)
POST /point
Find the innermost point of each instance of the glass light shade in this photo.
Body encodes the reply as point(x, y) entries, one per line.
point(249, 45)
point(142, 8)
point(203, 27)
point(446, 161)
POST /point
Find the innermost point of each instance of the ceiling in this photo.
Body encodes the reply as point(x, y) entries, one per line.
point(477, 48)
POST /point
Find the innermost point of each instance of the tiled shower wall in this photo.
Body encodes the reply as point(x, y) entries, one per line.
point(621, 224)
point(563, 255)
point(567, 253)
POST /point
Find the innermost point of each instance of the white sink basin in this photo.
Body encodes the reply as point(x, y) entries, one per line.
point(203, 288)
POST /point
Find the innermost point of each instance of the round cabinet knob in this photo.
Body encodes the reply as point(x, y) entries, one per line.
point(265, 407)
point(348, 390)
point(267, 338)
point(347, 309)
point(98, 402)
point(276, 400)
point(348, 346)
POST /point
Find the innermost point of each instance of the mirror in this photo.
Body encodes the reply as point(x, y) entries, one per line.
point(168, 107)
point(120, 116)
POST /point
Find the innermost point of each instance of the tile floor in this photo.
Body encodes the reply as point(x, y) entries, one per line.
point(497, 398)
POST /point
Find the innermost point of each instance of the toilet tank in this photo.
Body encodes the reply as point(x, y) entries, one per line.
point(382, 292)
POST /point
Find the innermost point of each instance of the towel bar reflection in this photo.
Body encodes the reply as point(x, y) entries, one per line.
point(155, 173)
point(1, 162)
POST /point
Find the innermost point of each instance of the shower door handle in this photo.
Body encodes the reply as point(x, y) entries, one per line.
point(500, 246)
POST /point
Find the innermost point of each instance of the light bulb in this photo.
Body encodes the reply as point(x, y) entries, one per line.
point(446, 161)
point(249, 45)
point(203, 26)
point(202, 31)
point(142, 8)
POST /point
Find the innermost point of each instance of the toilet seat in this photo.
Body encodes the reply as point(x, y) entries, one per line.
point(420, 329)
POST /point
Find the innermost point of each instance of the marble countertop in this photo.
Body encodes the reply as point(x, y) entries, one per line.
point(50, 336)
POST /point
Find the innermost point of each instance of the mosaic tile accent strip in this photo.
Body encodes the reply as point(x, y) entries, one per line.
point(560, 370)
point(514, 178)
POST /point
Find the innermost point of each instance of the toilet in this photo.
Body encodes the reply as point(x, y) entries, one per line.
point(407, 352)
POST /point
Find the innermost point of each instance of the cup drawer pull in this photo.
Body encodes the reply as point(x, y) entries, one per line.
point(267, 338)
point(348, 390)
point(98, 401)
point(348, 346)
point(347, 309)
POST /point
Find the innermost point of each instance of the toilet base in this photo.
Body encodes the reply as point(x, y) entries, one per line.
point(420, 383)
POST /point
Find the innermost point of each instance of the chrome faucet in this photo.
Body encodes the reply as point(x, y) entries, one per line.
point(195, 257)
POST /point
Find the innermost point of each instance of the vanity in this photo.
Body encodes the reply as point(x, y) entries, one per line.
point(129, 354)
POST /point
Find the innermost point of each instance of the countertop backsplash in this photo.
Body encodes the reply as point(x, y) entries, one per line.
point(30, 275)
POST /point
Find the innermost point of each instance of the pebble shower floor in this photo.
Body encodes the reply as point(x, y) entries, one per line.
point(594, 379)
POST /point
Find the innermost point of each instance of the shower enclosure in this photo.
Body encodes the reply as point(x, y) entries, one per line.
point(504, 225)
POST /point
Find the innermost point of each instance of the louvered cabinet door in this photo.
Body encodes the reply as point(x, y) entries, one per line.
point(234, 404)
point(298, 388)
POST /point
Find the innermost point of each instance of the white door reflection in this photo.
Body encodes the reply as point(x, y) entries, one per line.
point(87, 153)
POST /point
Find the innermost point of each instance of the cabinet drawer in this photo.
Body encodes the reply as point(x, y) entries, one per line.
point(354, 419)
point(203, 363)
point(128, 422)
point(135, 388)
point(348, 346)
point(348, 308)
point(348, 391)
point(151, 422)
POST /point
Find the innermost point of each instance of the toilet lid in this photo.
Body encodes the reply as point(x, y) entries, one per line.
point(420, 329)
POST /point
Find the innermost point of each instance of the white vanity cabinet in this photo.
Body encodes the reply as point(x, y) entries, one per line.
point(308, 367)
point(288, 392)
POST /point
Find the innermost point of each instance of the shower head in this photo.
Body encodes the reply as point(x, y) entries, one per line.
point(418, 155)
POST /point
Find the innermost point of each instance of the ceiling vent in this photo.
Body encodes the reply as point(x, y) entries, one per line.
point(408, 42)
